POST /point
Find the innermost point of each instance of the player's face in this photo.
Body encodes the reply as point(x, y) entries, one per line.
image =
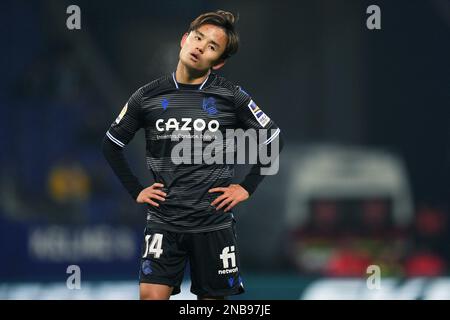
point(201, 49)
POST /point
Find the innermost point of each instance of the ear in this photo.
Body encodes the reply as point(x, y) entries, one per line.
point(183, 39)
point(219, 64)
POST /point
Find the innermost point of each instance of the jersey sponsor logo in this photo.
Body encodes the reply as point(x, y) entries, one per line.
point(122, 113)
point(226, 271)
point(228, 258)
point(259, 115)
point(186, 124)
point(209, 105)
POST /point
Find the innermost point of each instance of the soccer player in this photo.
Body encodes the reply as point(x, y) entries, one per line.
point(189, 207)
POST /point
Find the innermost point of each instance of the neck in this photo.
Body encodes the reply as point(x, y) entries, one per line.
point(189, 76)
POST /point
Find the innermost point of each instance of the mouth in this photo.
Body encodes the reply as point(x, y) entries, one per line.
point(194, 57)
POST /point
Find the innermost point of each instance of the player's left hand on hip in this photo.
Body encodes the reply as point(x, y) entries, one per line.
point(232, 195)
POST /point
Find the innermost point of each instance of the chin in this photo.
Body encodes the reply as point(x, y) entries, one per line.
point(194, 67)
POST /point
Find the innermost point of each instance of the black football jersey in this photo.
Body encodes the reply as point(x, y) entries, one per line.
point(169, 113)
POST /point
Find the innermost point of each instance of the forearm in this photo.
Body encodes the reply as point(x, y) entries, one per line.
point(116, 159)
point(254, 177)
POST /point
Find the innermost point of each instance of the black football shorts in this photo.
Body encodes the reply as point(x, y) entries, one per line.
point(213, 258)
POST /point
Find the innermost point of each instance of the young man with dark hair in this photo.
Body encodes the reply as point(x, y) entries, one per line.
point(189, 205)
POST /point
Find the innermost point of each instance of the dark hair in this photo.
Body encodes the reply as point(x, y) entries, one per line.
point(226, 21)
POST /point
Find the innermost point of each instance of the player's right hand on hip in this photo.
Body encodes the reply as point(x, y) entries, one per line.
point(152, 193)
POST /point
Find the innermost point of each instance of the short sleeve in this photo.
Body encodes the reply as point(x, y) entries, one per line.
point(251, 116)
point(128, 122)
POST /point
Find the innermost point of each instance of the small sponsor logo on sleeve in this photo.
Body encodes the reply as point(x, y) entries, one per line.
point(259, 115)
point(122, 113)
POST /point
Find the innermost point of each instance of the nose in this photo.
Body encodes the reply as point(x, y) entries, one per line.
point(201, 46)
point(200, 49)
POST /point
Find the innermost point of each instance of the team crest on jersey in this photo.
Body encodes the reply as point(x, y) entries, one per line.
point(209, 105)
point(122, 113)
point(260, 116)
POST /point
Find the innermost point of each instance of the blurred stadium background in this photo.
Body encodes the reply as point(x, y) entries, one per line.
point(364, 178)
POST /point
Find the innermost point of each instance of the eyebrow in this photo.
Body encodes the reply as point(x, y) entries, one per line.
point(202, 35)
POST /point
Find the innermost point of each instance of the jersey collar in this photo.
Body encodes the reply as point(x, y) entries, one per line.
point(199, 88)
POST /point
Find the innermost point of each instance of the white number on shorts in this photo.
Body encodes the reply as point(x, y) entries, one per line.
point(153, 247)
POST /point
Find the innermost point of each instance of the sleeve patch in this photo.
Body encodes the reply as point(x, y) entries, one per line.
point(259, 115)
point(122, 113)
